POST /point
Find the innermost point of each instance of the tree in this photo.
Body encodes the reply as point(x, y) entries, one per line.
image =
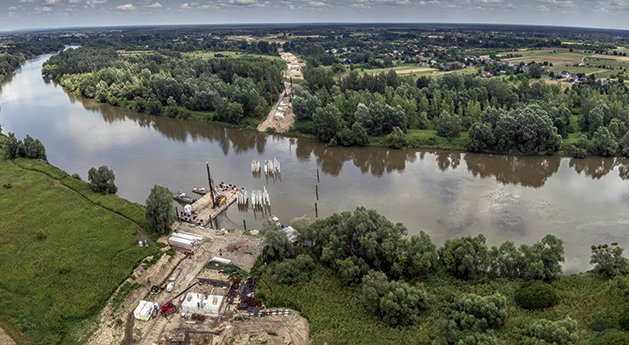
point(603, 142)
point(328, 122)
point(396, 303)
point(419, 256)
point(102, 180)
point(625, 144)
point(277, 246)
point(305, 104)
point(480, 138)
point(542, 260)
point(478, 313)
point(527, 129)
point(535, 71)
point(465, 257)
point(360, 134)
point(608, 260)
point(32, 148)
point(448, 126)
point(293, 271)
point(11, 147)
point(541, 332)
point(159, 210)
point(579, 148)
point(397, 139)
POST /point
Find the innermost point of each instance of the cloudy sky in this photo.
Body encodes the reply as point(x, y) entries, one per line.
point(20, 14)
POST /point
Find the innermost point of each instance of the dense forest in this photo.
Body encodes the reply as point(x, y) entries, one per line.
point(464, 292)
point(15, 50)
point(511, 115)
point(163, 82)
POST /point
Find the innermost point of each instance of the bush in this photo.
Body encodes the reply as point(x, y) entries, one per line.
point(397, 139)
point(536, 295)
point(560, 332)
point(611, 337)
point(479, 313)
point(102, 180)
point(294, 271)
point(624, 320)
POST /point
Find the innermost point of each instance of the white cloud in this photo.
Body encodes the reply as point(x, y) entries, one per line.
point(74, 2)
point(126, 7)
point(185, 6)
point(155, 5)
point(316, 3)
point(51, 2)
point(94, 3)
point(43, 9)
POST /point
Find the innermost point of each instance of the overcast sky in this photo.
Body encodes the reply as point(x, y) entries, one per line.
point(20, 14)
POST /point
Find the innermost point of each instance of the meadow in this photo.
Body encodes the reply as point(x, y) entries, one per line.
point(63, 251)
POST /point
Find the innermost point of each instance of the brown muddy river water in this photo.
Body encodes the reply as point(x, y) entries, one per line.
point(446, 194)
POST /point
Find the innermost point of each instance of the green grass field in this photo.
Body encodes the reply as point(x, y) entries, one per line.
point(336, 314)
point(63, 251)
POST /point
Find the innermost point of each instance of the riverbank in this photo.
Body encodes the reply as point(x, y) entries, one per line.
point(64, 250)
point(336, 316)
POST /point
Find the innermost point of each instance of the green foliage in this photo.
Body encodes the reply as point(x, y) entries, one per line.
point(465, 257)
point(293, 271)
point(277, 247)
point(305, 104)
point(396, 303)
point(328, 122)
point(624, 320)
point(159, 210)
point(448, 126)
point(612, 337)
point(608, 260)
point(603, 142)
point(65, 257)
point(579, 149)
point(536, 295)
point(28, 148)
point(478, 313)
point(102, 180)
point(527, 129)
point(397, 139)
point(480, 138)
point(546, 332)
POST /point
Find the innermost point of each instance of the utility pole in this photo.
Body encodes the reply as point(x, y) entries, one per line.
point(209, 178)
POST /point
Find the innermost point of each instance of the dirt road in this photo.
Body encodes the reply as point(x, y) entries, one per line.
point(281, 117)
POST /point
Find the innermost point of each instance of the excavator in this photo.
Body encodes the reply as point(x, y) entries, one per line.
point(168, 307)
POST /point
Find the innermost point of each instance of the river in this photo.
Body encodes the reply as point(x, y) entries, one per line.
point(445, 194)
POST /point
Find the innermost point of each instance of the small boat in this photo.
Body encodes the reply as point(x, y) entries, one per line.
point(201, 190)
point(183, 198)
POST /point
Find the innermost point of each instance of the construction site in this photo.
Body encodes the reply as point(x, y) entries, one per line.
point(197, 290)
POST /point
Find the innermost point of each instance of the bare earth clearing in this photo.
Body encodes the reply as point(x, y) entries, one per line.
point(281, 117)
point(115, 327)
point(5, 339)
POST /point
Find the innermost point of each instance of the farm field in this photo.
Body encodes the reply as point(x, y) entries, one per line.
point(558, 57)
point(210, 55)
point(64, 250)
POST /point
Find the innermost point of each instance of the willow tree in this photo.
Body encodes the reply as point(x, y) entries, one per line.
point(159, 211)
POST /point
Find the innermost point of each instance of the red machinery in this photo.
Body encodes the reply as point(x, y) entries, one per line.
point(168, 307)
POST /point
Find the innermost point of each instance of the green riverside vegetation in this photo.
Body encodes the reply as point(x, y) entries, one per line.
point(359, 279)
point(63, 250)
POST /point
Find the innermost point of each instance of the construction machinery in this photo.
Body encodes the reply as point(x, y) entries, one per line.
point(168, 307)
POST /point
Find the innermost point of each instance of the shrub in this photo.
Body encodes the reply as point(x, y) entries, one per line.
point(294, 271)
point(611, 337)
point(536, 295)
point(624, 320)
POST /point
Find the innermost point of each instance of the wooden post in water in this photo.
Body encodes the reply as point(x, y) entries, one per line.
point(244, 224)
point(317, 191)
point(316, 211)
point(318, 176)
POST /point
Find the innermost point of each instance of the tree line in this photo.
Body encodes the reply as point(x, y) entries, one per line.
point(512, 115)
point(223, 89)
